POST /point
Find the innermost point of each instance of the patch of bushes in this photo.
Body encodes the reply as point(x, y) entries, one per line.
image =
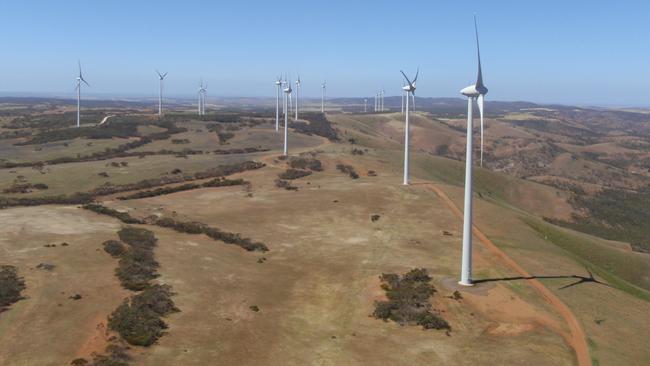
point(11, 286)
point(137, 265)
point(408, 300)
point(109, 153)
point(72, 199)
point(348, 169)
point(614, 215)
point(245, 150)
point(214, 233)
point(306, 163)
point(139, 319)
point(285, 185)
point(217, 182)
point(107, 131)
point(103, 210)
point(225, 136)
point(356, 151)
point(25, 187)
point(291, 174)
point(114, 248)
point(318, 125)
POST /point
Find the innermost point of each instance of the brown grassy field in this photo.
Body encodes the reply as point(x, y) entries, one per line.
point(316, 287)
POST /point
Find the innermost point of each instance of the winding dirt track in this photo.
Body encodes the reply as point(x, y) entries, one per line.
point(577, 337)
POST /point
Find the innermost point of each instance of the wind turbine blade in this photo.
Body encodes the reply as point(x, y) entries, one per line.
point(416, 75)
point(406, 77)
point(479, 101)
point(479, 78)
point(159, 74)
point(164, 75)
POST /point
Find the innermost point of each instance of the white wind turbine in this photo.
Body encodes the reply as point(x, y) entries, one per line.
point(410, 88)
point(284, 96)
point(287, 98)
point(80, 79)
point(205, 98)
point(161, 77)
point(322, 99)
point(278, 84)
point(365, 105)
point(297, 95)
point(472, 92)
point(202, 97)
point(383, 93)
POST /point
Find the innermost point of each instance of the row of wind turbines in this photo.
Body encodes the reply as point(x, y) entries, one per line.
point(474, 93)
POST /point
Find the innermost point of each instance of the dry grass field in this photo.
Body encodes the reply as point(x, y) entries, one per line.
point(309, 300)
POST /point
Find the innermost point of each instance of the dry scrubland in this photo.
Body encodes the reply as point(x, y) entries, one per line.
point(309, 299)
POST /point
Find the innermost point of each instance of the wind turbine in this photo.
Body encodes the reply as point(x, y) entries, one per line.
point(383, 93)
point(161, 77)
point(297, 95)
point(284, 96)
point(472, 92)
point(287, 92)
point(278, 84)
point(365, 105)
point(200, 96)
point(205, 98)
point(80, 78)
point(410, 88)
point(322, 99)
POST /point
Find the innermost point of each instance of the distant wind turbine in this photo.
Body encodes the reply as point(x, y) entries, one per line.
point(365, 105)
point(472, 92)
point(278, 84)
point(80, 79)
point(410, 88)
point(287, 92)
point(297, 95)
point(161, 77)
point(322, 99)
point(202, 96)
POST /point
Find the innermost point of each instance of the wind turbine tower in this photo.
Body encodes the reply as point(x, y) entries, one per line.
point(297, 95)
point(161, 77)
point(287, 92)
point(322, 99)
point(473, 93)
point(365, 105)
point(80, 79)
point(278, 84)
point(409, 89)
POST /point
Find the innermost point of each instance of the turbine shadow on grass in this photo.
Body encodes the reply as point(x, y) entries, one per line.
point(580, 279)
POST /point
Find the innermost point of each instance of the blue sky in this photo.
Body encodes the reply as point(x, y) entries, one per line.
point(571, 52)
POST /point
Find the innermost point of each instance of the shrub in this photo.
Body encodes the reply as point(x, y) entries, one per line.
point(348, 169)
point(356, 151)
point(214, 233)
point(408, 300)
point(291, 174)
point(114, 248)
point(11, 286)
point(284, 184)
point(138, 319)
point(122, 216)
point(306, 163)
point(137, 237)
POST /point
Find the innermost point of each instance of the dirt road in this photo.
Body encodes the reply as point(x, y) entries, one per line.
point(577, 337)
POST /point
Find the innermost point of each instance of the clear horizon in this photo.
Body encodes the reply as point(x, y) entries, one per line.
point(547, 53)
